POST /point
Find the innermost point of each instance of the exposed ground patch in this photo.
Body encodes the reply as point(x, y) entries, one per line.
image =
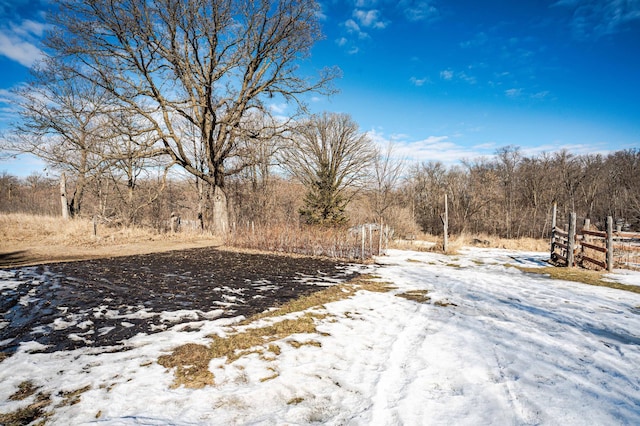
point(102, 302)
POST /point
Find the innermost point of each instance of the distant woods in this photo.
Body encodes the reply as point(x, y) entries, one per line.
point(511, 195)
point(507, 195)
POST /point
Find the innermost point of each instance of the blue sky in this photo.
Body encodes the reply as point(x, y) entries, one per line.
point(450, 80)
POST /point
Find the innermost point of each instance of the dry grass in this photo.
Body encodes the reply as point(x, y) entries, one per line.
point(584, 276)
point(78, 232)
point(35, 413)
point(30, 239)
point(30, 413)
point(419, 296)
point(191, 361)
point(72, 397)
point(25, 390)
point(456, 242)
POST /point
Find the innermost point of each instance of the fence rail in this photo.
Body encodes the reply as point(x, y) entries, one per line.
point(589, 248)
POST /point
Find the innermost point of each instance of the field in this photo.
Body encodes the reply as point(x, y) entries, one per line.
point(205, 336)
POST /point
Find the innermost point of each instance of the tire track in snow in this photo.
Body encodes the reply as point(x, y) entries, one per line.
point(394, 380)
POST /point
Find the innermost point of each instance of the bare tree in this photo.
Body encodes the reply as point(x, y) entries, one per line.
point(63, 121)
point(509, 158)
point(387, 171)
point(198, 63)
point(328, 155)
point(132, 155)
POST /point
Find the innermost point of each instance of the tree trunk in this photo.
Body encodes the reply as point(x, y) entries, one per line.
point(63, 197)
point(219, 212)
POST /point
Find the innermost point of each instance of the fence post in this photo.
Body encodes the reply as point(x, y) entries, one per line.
point(609, 243)
point(553, 229)
point(445, 225)
point(572, 239)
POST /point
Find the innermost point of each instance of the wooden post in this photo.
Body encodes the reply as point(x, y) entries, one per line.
point(572, 239)
point(175, 222)
point(609, 243)
point(553, 228)
point(445, 225)
point(380, 231)
point(95, 226)
point(63, 196)
point(362, 241)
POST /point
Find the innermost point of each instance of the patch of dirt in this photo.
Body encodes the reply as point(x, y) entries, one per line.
point(28, 253)
point(102, 302)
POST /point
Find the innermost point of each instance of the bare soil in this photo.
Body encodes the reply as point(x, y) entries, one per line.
point(30, 252)
point(100, 302)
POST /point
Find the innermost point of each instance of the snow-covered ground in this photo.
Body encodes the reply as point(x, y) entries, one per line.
point(493, 345)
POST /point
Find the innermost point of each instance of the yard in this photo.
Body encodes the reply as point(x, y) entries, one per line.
point(423, 338)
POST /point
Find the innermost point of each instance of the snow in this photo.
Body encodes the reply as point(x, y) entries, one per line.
point(624, 276)
point(493, 345)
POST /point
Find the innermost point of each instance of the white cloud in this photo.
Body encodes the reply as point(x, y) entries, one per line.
point(18, 42)
point(594, 19)
point(353, 28)
point(419, 10)
point(369, 18)
point(466, 77)
point(576, 149)
point(513, 93)
point(540, 95)
point(366, 3)
point(29, 27)
point(432, 148)
point(419, 81)
point(450, 75)
point(23, 52)
point(446, 75)
point(278, 108)
point(341, 41)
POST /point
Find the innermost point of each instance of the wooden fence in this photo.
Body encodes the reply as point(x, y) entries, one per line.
point(593, 249)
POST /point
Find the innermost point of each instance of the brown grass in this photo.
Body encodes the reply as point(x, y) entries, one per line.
point(419, 296)
point(25, 390)
point(191, 361)
point(30, 239)
point(30, 413)
point(456, 242)
point(584, 276)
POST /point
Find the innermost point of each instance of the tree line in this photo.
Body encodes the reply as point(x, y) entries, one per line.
point(509, 194)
